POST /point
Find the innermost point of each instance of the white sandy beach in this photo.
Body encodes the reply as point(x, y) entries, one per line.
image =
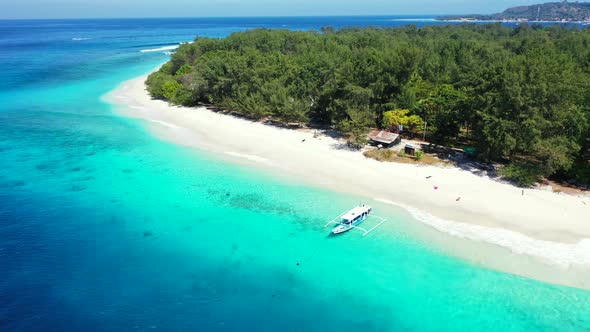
point(551, 226)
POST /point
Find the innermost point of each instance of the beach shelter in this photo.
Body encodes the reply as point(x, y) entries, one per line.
point(384, 137)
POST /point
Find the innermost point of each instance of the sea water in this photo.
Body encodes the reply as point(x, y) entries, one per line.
point(103, 227)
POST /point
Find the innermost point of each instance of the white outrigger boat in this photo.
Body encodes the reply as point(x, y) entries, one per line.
point(351, 219)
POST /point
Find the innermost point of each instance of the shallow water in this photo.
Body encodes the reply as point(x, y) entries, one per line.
point(104, 227)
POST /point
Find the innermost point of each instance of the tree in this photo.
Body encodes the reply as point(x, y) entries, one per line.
point(445, 110)
point(155, 84)
point(356, 126)
point(170, 89)
point(392, 120)
point(556, 153)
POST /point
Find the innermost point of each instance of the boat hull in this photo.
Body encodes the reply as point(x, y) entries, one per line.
point(345, 228)
point(340, 229)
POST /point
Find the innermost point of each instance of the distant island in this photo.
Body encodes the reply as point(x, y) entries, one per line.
point(548, 12)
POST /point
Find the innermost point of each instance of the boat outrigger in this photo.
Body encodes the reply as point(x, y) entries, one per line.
point(351, 219)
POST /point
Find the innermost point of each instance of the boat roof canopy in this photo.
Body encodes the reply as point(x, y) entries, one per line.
point(357, 211)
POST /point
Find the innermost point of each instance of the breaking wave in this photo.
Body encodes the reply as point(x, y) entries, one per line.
point(556, 253)
point(160, 49)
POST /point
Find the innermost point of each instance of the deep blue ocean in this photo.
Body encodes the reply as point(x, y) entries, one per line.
point(104, 227)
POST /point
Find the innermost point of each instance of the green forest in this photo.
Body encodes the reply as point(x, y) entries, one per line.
point(519, 95)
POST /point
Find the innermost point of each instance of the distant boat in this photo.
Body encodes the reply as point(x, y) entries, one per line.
point(352, 218)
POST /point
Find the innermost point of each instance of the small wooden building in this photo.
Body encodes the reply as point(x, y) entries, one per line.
point(410, 150)
point(384, 137)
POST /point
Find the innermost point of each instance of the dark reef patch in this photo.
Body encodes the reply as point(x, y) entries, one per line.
point(43, 167)
point(83, 178)
point(78, 187)
point(12, 183)
point(5, 148)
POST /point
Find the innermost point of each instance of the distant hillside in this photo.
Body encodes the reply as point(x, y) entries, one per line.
point(551, 12)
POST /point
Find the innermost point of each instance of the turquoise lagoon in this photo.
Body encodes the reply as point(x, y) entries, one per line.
point(104, 227)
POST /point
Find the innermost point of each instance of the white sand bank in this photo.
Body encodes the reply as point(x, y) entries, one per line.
point(554, 227)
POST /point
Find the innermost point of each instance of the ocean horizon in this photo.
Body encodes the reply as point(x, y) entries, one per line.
point(105, 227)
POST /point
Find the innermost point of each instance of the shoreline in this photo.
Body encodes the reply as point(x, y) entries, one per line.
point(549, 226)
point(468, 20)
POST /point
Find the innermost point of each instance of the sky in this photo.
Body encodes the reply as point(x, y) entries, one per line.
point(10, 9)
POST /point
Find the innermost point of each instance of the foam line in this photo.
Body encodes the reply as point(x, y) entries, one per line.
point(164, 123)
point(556, 253)
point(160, 49)
point(250, 157)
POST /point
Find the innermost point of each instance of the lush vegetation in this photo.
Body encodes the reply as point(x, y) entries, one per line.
point(519, 95)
